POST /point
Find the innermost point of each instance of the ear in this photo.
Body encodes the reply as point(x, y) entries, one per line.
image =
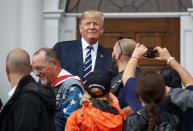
point(117, 56)
point(31, 68)
point(8, 72)
point(7, 69)
point(80, 28)
point(102, 30)
point(56, 63)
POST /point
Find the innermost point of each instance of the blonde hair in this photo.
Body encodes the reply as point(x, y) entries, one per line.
point(86, 98)
point(92, 14)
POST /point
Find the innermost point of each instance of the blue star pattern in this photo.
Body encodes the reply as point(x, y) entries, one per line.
point(68, 99)
point(68, 95)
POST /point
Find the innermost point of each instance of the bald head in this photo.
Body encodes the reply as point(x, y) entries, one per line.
point(18, 62)
point(127, 46)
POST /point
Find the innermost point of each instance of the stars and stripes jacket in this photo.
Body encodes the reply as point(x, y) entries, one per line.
point(68, 90)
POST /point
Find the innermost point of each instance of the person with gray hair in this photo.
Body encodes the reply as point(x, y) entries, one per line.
point(67, 88)
point(31, 107)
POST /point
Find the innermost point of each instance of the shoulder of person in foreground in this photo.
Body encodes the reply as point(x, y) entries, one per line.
point(71, 93)
point(135, 121)
point(32, 105)
point(180, 97)
point(139, 121)
point(45, 95)
point(65, 43)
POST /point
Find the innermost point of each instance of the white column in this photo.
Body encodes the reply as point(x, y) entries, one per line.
point(52, 14)
point(186, 46)
point(67, 28)
point(51, 27)
point(8, 40)
point(192, 2)
point(30, 25)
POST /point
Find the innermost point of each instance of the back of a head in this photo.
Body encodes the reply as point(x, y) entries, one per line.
point(127, 46)
point(18, 61)
point(171, 77)
point(92, 14)
point(151, 89)
point(98, 87)
point(98, 83)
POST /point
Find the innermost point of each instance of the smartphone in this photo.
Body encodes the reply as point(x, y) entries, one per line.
point(150, 54)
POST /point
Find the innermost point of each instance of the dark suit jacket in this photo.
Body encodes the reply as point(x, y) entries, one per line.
point(71, 57)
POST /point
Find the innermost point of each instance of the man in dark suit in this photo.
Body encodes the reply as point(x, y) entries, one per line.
point(72, 54)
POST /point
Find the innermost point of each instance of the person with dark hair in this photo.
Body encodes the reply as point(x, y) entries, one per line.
point(150, 90)
point(171, 77)
point(178, 96)
point(80, 57)
point(31, 107)
point(122, 52)
point(98, 113)
point(68, 88)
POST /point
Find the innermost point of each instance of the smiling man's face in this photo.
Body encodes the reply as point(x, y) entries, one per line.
point(91, 29)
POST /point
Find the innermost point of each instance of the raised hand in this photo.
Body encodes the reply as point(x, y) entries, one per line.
point(139, 51)
point(162, 53)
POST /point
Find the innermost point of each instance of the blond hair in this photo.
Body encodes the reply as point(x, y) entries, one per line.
point(86, 98)
point(92, 14)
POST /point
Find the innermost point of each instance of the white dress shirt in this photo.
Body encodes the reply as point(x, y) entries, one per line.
point(12, 91)
point(93, 52)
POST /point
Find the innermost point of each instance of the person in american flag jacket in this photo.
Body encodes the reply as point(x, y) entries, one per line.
point(68, 88)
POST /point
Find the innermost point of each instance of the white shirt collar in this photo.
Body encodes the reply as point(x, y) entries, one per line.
point(11, 92)
point(85, 45)
point(63, 72)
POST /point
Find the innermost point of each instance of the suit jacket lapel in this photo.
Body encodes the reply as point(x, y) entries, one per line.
point(99, 58)
point(78, 57)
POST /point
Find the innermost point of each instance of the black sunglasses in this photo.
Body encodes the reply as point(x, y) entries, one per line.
point(120, 47)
